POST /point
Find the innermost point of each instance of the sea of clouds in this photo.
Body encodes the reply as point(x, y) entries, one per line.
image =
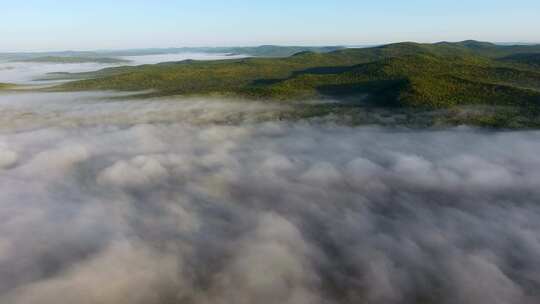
point(104, 200)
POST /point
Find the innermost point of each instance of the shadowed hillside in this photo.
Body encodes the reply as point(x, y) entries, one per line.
point(531, 59)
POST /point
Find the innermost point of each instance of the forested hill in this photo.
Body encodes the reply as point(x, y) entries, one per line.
point(412, 74)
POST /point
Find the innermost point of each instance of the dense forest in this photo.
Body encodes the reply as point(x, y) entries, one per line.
point(441, 75)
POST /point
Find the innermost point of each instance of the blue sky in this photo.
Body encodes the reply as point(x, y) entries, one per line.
point(113, 24)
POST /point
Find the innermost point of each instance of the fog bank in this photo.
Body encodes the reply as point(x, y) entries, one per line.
point(157, 202)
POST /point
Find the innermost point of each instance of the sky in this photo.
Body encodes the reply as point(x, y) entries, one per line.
point(45, 25)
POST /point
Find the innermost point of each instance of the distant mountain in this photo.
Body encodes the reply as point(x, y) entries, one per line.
point(30, 55)
point(276, 51)
point(259, 51)
point(71, 59)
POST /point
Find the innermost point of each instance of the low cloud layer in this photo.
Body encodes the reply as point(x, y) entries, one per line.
point(118, 208)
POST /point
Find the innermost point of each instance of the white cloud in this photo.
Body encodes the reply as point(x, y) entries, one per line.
point(142, 171)
point(153, 201)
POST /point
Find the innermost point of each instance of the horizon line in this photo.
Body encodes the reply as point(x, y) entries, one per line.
point(359, 45)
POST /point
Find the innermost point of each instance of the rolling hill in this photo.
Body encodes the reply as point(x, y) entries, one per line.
point(405, 74)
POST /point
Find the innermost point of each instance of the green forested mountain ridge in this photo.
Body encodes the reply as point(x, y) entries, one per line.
point(411, 74)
